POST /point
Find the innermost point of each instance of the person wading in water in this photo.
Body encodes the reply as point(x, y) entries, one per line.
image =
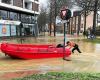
point(74, 46)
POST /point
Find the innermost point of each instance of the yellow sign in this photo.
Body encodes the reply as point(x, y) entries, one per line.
point(4, 30)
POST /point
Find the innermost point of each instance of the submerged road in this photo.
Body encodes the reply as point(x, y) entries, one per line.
point(87, 61)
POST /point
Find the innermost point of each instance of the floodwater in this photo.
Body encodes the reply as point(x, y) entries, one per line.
point(87, 61)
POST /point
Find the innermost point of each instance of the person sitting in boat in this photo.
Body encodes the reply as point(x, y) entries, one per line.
point(73, 45)
point(59, 46)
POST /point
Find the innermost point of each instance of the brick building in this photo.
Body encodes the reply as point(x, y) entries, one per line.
point(76, 25)
point(18, 17)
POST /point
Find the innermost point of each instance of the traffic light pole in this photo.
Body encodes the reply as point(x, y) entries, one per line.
point(64, 51)
point(65, 16)
point(64, 47)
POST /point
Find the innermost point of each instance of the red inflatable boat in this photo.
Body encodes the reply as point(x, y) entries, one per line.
point(27, 51)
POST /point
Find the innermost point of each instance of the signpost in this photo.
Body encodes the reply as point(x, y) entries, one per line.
point(65, 15)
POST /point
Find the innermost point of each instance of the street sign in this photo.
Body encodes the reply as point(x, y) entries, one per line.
point(58, 20)
point(65, 14)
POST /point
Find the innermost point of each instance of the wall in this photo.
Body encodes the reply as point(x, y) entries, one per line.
point(89, 21)
point(35, 7)
point(18, 3)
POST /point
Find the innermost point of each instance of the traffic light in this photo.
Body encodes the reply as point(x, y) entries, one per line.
point(65, 14)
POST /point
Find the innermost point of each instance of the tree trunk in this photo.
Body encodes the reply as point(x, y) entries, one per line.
point(75, 23)
point(50, 19)
point(54, 29)
point(72, 26)
point(68, 29)
point(55, 18)
point(85, 23)
point(94, 17)
point(50, 29)
point(79, 22)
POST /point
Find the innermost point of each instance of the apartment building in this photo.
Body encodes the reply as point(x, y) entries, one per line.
point(18, 17)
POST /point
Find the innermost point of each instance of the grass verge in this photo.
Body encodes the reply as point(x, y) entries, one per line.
point(63, 76)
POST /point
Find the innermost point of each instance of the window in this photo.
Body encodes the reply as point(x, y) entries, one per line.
point(3, 15)
point(28, 5)
point(33, 19)
point(7, 1)
point(30, 19)
point(36, 0)
point(25, 18)
point(13, 16)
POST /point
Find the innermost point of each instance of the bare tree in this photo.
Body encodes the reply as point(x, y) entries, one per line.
point(42, 19)
point(88, 6)
point(55, 7)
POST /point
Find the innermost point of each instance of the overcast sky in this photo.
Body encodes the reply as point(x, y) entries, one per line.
point(44, 2)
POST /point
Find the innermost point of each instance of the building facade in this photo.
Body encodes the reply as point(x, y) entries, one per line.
point(76, 25)
point(18, 17)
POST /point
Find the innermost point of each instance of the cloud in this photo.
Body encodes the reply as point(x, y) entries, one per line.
point(43, 3)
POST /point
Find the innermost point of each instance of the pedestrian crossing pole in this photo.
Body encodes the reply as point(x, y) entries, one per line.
point(64, 56)
point(65, 15)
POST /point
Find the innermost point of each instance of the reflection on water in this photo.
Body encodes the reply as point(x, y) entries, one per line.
point(80, 62)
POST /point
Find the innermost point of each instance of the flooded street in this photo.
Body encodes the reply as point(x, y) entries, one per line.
point(87, 61)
